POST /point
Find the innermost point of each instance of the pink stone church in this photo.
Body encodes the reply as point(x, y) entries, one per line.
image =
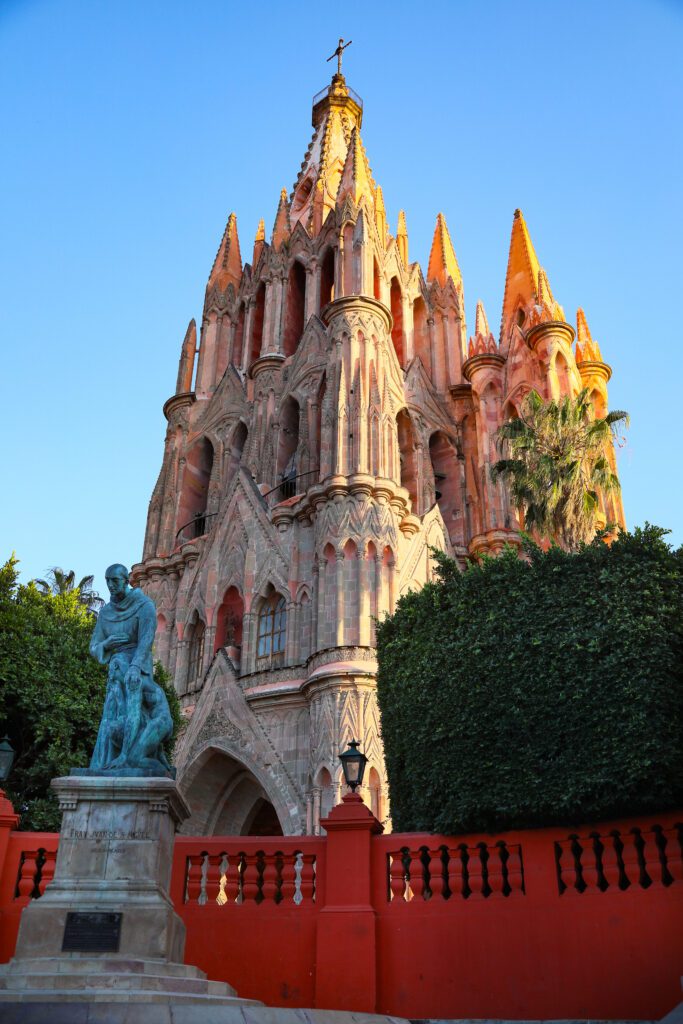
point(337, 425)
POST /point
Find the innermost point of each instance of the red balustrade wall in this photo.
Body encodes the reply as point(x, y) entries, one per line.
point(545, 923)
point(251, 909)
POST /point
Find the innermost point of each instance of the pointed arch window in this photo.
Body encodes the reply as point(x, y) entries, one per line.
point(196, 658)
point(272, 627)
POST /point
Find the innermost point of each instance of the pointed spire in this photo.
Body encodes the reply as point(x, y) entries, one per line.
point(356, 179)
point(259, 242)
point(380, 215)
point(442, 261)
point(186, 364)
point(587, 350)
point(483, 340)
point(282, 228)
point(402, 237)
point(521, 279)
point(227, 267)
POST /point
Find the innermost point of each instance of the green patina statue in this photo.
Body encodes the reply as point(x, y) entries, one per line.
point(136, 718)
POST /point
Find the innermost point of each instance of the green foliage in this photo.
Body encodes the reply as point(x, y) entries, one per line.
point(60, 582)
point(539, 692)
point(559, 462)
point(51, 692)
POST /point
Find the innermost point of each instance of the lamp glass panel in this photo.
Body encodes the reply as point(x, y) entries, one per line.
point(6, 758)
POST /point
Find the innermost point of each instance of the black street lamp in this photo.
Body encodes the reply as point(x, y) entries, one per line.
point(353, 765)
point(6, 758)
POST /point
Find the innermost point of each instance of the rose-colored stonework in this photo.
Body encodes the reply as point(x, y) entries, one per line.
point(337, 425)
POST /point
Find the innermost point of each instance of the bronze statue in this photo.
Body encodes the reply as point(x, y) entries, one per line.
point(136, 719)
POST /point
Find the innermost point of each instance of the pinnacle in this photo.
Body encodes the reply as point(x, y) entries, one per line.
point(442, 260)
point(402, 237)
point(259, 242)
point(481, 324)
point(187, 355)
point(227, 267)
point(545, 295)
point(282, 228)
point(521, 279)
point(483, 340)
point(356, 179)
point(547, 308)
point(586, 348)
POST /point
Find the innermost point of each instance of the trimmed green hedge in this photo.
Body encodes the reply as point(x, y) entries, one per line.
point(531, 693)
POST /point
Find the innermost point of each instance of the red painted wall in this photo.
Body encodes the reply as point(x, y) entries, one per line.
point(530, 924)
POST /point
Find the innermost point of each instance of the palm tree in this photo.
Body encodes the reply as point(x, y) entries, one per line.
point(559, 462)
point(60, 582)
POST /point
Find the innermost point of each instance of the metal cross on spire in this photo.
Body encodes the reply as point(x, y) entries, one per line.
point(338, 54)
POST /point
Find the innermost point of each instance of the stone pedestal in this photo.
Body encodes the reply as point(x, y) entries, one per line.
point(114, 858)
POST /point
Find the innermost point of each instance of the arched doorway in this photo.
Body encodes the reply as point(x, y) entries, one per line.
point(227, 798)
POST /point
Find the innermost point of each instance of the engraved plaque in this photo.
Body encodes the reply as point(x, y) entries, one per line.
point(92, 933)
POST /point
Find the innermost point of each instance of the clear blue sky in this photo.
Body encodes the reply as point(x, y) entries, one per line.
point(131, 129)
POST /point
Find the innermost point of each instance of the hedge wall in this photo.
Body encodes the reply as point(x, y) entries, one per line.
point(529, 693)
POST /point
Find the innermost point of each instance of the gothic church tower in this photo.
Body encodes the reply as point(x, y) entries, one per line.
point(337, 425)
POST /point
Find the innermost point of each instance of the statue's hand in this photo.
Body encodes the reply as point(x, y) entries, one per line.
point(114, 641)
point(133, 676)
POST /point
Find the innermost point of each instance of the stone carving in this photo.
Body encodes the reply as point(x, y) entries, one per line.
point(136, 718)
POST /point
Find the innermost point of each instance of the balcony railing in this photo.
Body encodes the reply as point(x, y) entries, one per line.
point(324, 92)
point(289, 487)
point(198, 526)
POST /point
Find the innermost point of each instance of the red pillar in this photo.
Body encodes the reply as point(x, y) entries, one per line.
point(8, 822)
point(346, 955)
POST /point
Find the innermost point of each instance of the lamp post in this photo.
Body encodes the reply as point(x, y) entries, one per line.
point(6, 758)
point(353, 765)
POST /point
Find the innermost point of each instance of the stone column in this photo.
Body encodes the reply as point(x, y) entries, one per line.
point(364, 612)
point(338, 627)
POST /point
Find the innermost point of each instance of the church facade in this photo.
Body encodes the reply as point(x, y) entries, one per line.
point(332, 424)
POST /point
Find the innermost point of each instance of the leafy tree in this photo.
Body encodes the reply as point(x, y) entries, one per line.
point(538, 691)
point(51, 692)
point(558, 464)
point(60, 582)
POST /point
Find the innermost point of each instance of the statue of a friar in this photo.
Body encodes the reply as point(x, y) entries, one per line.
point(136, 719)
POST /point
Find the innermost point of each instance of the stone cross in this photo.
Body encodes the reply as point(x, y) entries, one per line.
point(338, 54)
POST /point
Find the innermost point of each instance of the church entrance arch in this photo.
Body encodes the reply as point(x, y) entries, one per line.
point(227, 798)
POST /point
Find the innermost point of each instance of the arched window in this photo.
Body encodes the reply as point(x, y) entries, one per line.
point(406, 445)
point(238, 342)
point(295, 310)
point(421, 343)
point(195, 490)
point(288, 442)
point(446, 471)
point(396, 300)
point(327, 279)
point(196, 658)
point(376, 286)
point(257, 323)
point(272, 627)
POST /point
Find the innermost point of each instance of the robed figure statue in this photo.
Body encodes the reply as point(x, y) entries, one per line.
point(136, 719)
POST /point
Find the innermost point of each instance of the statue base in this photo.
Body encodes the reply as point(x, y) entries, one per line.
point(120, 773)
point(105, 928)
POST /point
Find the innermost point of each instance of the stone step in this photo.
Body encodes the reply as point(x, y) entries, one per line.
point(79, 964)
point(144, 997)
point(119, 982)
